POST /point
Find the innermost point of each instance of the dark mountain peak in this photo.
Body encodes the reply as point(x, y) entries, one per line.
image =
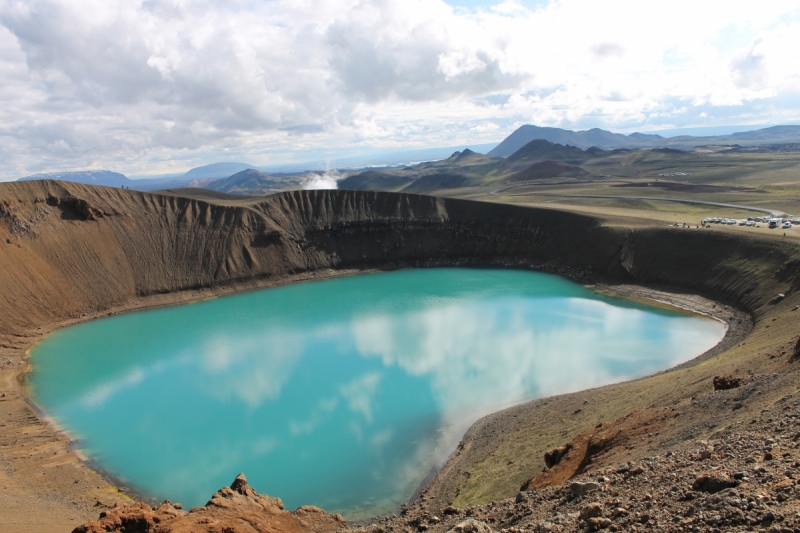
point(582, 139)
point(461, 156)
point(250, 172)
point(541, 150)
point(594, 150)
point(467, 154)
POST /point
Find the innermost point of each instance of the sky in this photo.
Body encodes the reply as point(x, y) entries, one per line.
point(158, 86)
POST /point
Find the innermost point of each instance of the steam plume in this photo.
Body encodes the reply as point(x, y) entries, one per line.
point(327, 180)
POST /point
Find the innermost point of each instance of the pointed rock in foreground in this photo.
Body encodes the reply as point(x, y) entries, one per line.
point(237, 509)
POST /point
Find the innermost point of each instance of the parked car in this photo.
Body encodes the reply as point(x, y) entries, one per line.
point(787, 225)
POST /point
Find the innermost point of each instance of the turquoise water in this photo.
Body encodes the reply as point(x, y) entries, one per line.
point(342, 393)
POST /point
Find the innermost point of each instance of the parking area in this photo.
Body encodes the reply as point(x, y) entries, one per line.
point(785, 223)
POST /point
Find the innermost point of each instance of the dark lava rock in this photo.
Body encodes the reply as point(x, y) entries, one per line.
point(726, 382)
point(553, 457)
point(712, 484)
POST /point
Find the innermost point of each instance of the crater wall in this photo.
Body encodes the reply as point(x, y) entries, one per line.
point(72, 249)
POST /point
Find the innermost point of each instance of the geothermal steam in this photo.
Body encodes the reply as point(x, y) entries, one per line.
point(327, 180)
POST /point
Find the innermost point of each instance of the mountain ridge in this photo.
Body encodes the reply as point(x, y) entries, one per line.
point(86, 177)
point(608, 140)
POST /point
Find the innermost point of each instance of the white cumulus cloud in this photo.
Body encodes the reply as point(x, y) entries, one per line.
point(168, 84)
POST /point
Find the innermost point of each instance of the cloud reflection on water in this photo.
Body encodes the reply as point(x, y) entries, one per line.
point(368, 397)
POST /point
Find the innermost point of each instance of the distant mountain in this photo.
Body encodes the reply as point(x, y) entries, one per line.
point(466, 155)
point(434, 182)
point(374, 180)
point(89, 177)
point(764, 149)
point(217, 170)
point(548, 170)
point(769, 134)
point(608, 140)
point(541, 150)
point(583, 139)
point(251, 180)
point(108, 178)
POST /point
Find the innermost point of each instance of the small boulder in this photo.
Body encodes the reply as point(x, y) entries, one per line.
point(471, 526)
point(592, 510)
point(596, 524)
point(634, 472)
point(580, 489)
point(712, 483)
point(782, 486)
point(726, 382)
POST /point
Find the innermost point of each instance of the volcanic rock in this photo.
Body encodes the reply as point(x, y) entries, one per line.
point(598, 523)
point(553, 457)
point(592, 510)
point(712, 483)
point(235, 509)
point(471, 526)
point(580, 489)
point(726, 382)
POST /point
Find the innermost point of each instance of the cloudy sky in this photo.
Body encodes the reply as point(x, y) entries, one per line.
point(146, 86)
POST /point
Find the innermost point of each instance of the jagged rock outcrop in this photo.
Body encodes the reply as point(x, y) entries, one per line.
point(726, 382)
point(471, 526)
point(578, 455)
point(235, 509)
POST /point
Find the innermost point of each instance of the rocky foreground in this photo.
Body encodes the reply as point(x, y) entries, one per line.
point(746, 479)
point(235, 509)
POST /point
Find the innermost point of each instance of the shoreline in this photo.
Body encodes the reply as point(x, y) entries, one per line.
point(661, 296)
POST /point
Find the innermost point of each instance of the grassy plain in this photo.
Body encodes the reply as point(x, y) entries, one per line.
point(627, 185)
